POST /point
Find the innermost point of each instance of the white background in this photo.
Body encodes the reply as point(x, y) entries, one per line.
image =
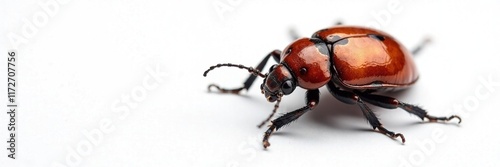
point(85, 63)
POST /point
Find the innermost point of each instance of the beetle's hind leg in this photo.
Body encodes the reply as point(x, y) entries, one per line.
point(392, 103)
point(250, 80)
point(294, 35)
point(352, 98)
point(421, 45)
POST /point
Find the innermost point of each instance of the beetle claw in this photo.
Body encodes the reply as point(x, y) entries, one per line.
point(267, 134)
point(391, 134)
point(400, 136)
point(436, 119)
point(222, 90)
point(455, 116)
point(266, 144)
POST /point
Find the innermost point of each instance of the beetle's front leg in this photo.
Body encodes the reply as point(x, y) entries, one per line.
point(312, 99)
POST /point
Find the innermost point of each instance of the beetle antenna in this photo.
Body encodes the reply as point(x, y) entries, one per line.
point(250, 69)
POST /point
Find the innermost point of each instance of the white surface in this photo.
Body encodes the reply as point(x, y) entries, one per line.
point(78, 68)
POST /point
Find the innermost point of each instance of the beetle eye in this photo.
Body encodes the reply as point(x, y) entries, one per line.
point(287, 87)
point(273, 67)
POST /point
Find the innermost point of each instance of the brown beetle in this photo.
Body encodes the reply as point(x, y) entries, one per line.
point(353, 62)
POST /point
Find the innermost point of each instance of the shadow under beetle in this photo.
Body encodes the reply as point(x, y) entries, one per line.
point(353, 62)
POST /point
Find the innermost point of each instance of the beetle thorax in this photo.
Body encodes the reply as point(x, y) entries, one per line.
point(309, 62)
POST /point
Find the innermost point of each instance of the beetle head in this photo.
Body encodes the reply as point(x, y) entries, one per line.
point(278, 82)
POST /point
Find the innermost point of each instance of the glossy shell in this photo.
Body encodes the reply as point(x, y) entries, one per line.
point(365, 58)
point(309, 61)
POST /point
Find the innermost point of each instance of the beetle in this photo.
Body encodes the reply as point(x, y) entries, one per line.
point(353, 62)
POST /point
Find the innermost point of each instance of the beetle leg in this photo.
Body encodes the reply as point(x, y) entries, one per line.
point(353, 98)
point(292, 32)
point(392, 103)
point(312, 98)
point(420, 46)
point(250, 80)
point(223, 90)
